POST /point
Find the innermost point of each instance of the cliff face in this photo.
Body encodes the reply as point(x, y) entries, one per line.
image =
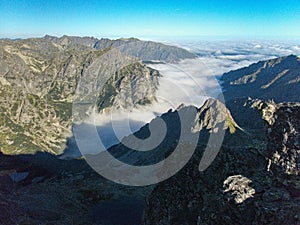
point(38, 82)
point(284, 139)
point(131, 87)
point(256, 184)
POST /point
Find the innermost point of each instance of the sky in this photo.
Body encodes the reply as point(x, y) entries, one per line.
point(156, 18)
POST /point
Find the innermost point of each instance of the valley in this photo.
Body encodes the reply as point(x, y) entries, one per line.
point(91, 128)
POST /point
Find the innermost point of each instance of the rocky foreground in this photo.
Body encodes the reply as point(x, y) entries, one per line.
point(256, 184)
point(254, 179)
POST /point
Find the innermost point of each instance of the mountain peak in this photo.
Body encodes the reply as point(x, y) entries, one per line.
point(214, 115)
point(292, 56)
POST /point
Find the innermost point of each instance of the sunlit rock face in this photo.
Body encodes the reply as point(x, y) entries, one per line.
point(39, 79)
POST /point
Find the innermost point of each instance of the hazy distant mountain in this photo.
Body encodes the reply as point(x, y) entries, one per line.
point(146, 50)
point(277, 79)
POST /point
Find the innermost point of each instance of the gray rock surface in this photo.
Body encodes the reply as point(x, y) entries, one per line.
point(40, 79)
point(212, 117)
point(258, 184)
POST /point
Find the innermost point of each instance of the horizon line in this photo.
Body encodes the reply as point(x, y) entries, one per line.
point(157, 37)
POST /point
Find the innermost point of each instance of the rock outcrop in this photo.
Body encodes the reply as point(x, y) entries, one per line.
point(131, 87)
point(212, 120)
point(256, 184)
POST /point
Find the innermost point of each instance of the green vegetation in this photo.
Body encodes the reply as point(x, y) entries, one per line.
point(144, 101)
point(42, 76)
point(14, 140)
point(63, 110)
point(106, 97)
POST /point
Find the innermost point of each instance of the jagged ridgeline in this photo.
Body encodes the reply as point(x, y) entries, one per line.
point(39, 78)
point(276, 79)
point(211, 121)
point(245, 184)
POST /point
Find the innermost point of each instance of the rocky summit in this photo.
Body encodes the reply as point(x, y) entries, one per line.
point(212, 118)
point(256, 184)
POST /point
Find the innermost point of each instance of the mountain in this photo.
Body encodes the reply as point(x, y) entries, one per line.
point(41, 78)
point(247, 181)
point(256, 184)
point(131, 87)
point(212, 118)
point(276, 79)
point(41, 186)
point(253, 180)
point(244, 170)
point(146, 50)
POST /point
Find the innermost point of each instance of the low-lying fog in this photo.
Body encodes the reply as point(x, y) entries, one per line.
point(188, 82)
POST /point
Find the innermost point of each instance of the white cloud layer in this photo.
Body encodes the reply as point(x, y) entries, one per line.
point(223, 56)
point(189, 82)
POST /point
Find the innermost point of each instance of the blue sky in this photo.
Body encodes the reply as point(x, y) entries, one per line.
point(156, 18)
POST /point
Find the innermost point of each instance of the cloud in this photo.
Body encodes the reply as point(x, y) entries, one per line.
point(189, 82)
point(223, 56)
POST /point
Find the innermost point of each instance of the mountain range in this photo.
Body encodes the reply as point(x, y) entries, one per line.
point(39, 78)
point(276, 79)
point(253, 178)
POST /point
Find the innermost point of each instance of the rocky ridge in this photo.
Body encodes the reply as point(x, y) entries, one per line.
point(212, 118)
point(276, 79)
point(39, 80)
point(26, 178)
point(243, 185)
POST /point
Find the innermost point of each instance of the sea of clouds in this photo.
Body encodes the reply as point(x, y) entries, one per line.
point(189, 82)
point(221, 56)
